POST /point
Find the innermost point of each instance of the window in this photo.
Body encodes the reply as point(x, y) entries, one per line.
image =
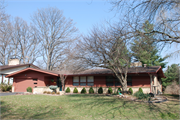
point(109, 81)
point(35, 83)
point(83, 80)
point(129, 81)
point(90, 81)
point(34, 79)
point(75, 81)
point(117, 83)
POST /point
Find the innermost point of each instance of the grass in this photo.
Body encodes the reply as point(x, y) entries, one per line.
point(83, 106)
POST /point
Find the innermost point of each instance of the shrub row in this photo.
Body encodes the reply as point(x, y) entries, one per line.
point(100, 90)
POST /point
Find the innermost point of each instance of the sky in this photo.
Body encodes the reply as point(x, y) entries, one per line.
point(85, 13)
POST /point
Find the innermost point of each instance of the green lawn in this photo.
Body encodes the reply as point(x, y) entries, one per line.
point(84, 107)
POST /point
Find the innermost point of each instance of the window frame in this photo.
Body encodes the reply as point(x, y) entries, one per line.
point(76, 82)
point(89, 82)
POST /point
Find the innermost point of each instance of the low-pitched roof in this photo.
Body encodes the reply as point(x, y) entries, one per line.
point(132, 70)
point(33, 69)
point(14, 66)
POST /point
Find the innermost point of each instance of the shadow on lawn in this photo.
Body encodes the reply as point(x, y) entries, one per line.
point(29, 113)
point(126, 108)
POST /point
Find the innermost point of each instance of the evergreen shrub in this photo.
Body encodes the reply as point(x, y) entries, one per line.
point(131, 91)
point(83, 90)
point(91, 90)
point(68, 90)
point(140, 90)
point(75, 90)
point(100, 90)
point(29, 89)
point(109, 90)
point(141, 95)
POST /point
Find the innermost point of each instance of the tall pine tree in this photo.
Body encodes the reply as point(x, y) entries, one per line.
point(145, 50)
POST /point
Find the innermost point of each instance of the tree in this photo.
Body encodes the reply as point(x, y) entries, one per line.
point(145, 49)
point(107, 48)
point(172, 74)
point(25, 42)
point(55, 33)
point(164, 14)
point(6, 44)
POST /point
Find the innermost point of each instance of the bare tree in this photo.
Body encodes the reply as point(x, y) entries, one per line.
point(5, 35)
point(164, 14)
point(55, 33)
point(25, 42)
point(6, 47)
point(107, 48)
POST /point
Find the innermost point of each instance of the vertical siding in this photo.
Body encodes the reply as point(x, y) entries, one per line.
point(99, 81)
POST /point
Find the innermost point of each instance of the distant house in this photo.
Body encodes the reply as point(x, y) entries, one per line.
point(148, 78)
point(12, 67)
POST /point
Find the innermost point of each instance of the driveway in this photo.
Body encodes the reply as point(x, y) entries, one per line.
point(6, 94)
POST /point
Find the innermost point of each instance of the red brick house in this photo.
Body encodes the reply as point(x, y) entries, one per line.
point(147, 78)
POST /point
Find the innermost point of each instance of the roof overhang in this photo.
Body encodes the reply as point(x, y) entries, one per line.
point(32, 69)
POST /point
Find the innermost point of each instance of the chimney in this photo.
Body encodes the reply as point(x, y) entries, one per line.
point(13, 61)
point(145, 65)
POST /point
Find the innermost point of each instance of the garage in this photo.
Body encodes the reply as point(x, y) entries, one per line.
point(23, 84)
point(31, 77)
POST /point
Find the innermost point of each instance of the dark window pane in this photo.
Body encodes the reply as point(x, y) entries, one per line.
point(117, 84)
point(129, 83)
point(90, 84)
point(109, 84)
point(75, 84)
point(35, 83)
point(34, 79)
point(83, 84)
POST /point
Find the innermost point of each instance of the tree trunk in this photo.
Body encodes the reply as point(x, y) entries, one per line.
point(124, 87)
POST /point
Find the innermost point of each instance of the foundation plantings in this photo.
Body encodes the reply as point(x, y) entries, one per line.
point(83, 90)
point(91, 91)
point(130, 91)
point(75, 90)
point(109, 90)
point(29, 89)
point(68, 90)
point(100, 90)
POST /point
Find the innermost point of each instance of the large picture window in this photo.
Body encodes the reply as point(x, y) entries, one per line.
point(113, 81)
point(75, 81)
point(83, 81)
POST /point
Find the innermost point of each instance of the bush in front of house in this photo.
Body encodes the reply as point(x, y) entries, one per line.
point(75, 90)
point(100, 90)
point(141, 95)
point(83, 90)
point(29, 89)
point(68, 90)
point(130, 91)
point(44, 92)
point(110, 90)
point(140, 90)
point(91, 90)
point(48, 92)
point(5, 87)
